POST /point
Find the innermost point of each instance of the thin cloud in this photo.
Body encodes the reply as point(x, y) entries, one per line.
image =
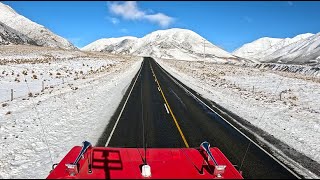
point(163, 20)
point(124, 30)
point(248, 19)
point(113, 20)
point(129, 10)
point(290, 3)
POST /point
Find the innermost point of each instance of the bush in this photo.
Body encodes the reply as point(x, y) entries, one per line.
point(5, 104)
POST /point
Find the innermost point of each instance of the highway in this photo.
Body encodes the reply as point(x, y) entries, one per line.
point(158, 111)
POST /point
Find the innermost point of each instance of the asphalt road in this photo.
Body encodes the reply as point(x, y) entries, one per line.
point(159, 113)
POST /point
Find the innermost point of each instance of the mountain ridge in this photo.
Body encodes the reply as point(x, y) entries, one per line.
point(38, 33)
point(301, 49)
point(174, 43)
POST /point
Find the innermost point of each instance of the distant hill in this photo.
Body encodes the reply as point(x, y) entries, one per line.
point(301, 49)
point(172, 43)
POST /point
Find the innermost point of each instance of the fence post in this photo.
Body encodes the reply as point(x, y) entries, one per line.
point(11, 94)
point(42, 85)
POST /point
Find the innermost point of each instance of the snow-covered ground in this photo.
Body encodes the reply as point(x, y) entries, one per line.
point(282, 105)
point(36, 54)
point(38, 130)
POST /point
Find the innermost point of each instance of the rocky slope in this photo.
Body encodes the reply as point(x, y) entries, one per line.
point(9, 36)
point(38, 33)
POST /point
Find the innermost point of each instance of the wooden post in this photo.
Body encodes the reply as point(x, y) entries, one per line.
point(252, 89)
point(42, 85)
point(11, 94)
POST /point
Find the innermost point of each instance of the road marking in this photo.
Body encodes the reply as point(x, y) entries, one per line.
point(115, 125)
point(186, 90)
point(171, 90)
point(166, 108)
point(174, 118)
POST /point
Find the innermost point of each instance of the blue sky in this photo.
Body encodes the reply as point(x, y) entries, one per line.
point(226, 24)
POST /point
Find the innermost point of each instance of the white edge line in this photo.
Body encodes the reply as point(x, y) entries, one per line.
point(115, 125)
point(230, 123)
point(166, 108)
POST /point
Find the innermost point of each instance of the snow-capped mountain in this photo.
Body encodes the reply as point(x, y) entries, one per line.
point(9, 36)
point(172, 43)
point(102, 44)
point(304, 51)
point(284, 42)
point(252, 50)
point(281, 50)
point(36, 32)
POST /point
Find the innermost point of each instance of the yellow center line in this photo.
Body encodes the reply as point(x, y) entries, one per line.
point(174, 118)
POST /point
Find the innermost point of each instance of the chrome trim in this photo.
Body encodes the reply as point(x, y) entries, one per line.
point(218, 169)
point(206, 147)
point(85, 146)
point(72, 168)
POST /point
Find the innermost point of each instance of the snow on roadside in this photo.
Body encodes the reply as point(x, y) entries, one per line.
point(38, 131)
point(254, 95)
point(14, 53)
